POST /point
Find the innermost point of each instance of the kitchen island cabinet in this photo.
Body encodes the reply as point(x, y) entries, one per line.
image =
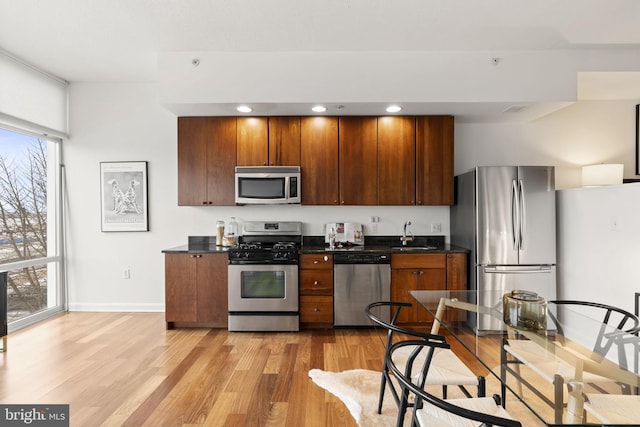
point(196, 289)
point(206, 161)
point(316, 290)
point(319, 160)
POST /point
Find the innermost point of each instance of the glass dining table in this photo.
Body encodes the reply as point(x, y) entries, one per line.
point(552, 364)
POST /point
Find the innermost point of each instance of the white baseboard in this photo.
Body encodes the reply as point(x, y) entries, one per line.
point(115, 307)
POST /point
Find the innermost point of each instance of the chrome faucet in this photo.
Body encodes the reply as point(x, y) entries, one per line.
point(406, 238)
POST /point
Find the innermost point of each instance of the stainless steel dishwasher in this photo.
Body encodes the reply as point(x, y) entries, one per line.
point(358, 280)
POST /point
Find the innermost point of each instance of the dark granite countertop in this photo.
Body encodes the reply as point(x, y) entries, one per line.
point(446, 248)
point(198, 245)
point(315, 244)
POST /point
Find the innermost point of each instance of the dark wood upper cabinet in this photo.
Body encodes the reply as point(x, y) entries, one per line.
point(358, 165)
point(206, 160)
point(350, 160)
point(396, 161)
point(253, 141)
point(319, 160)
point(284, 141)
point(268, 141)
point(434, 160)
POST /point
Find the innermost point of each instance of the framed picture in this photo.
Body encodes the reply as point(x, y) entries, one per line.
point(123, 196)
point(638, 139)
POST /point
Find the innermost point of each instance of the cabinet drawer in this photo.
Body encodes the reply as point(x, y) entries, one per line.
point(419, 261)
point(316, 261)
point(316, 282)
point(315, 309)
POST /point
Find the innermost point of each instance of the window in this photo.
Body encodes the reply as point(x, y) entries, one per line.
point(30, 226)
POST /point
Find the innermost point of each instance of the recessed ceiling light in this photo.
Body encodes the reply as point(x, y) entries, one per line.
point(393, 108)
point(244, 109)
point(319, 109)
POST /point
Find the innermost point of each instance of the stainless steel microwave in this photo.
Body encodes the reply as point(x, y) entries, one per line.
point(267, 185)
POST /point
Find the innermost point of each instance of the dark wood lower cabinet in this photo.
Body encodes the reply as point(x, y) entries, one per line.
point(428, 272)
point(196, 289)
point(316, 290)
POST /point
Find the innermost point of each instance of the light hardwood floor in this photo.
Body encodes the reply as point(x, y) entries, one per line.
point(126, 369)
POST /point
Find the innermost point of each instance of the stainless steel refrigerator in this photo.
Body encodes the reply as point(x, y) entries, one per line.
point(506, 216)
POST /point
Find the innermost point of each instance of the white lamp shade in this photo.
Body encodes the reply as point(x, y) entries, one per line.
point(604, 174)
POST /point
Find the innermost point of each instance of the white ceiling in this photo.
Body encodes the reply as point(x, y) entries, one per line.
point(119, 40)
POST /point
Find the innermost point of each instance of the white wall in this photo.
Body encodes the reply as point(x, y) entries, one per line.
point(584, 133)
point(599, 248)
point(116, 122)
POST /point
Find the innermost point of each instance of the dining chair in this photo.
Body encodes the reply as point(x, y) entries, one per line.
point(431, 411)
point(555, 370)
point(446, 368)
point(614, 408)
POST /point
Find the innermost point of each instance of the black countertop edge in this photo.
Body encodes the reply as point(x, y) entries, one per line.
point(203, 249)
point(312, 248)
point(446, 248)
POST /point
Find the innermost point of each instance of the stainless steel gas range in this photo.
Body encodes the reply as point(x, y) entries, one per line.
point(263, 277)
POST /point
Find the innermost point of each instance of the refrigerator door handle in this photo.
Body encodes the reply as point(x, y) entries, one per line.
point(518, 270)
point(515, 215)
point(523, 213)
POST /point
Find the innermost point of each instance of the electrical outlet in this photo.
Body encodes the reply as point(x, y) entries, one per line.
point(126, 273)
point(436, 228)
point(374, 219)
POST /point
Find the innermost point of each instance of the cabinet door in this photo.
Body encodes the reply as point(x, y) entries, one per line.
point(434, 160)
point(319, 160)
point(396, 161)
point(358, 164)
point(430, 279)
point(221, 155)
point(180, 288)
point(206, 160)
point(316, 310)
point(284, 141)
point(316, 282)
point(457, 273)
point(415, 279)
point(212, 300)
point(253, 141)
point(193, 137)
point(403, 281)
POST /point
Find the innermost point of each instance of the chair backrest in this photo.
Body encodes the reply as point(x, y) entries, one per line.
point(421, 396)
point(613, 318)
point(435, 341)
point(392, 328)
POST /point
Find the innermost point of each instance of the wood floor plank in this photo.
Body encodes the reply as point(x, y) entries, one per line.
point(126, 369)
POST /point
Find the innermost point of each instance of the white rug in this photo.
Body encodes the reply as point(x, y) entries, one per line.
point(358, 389)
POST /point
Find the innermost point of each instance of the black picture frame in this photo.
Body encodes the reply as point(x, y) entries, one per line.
point(124, 196)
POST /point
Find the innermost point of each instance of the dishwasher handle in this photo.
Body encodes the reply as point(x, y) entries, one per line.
point(362, 258)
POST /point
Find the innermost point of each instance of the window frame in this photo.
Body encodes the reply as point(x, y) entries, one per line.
point(55, 234)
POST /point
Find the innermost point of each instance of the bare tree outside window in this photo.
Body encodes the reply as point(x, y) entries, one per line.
point(23, 223)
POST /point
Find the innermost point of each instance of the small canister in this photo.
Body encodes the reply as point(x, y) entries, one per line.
point(525, 310)
point(231, 234)
point(219, 233)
